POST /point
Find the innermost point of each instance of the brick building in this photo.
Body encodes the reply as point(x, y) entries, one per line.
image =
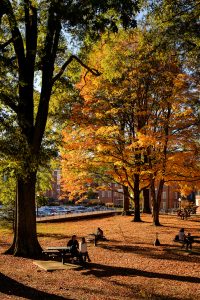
point(114, 195)
point(55, 190)
point(170, 197)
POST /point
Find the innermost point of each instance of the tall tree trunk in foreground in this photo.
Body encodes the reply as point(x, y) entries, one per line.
point(25, 241)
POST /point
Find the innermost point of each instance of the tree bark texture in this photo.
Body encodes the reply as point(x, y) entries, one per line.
point(146, 208)
point(156, 200)
point(136, 198)
point(25, 242)
point(126, 201)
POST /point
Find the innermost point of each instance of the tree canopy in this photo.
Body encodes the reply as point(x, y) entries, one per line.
point(130, 123)
point(37, 39)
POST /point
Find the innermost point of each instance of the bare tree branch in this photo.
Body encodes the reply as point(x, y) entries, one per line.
point(4, 45)
point(91, 70)
point(7, 100)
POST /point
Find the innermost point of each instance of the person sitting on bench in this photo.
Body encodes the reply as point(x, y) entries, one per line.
point(189, 240)
point(186, 240)
point(99, 235)
point(74, 247)
point(83, 250)
point(181, 236)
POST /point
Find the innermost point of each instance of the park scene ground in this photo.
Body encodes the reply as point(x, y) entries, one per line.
point(127, 266)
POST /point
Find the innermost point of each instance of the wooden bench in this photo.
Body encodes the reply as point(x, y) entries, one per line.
point(178, 241)
point(91, 238)
point(183, 243)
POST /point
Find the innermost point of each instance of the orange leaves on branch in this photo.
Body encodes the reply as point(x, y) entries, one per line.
point(136, 118)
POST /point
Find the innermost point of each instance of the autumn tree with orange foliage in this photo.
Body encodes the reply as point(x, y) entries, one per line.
point(130, 116)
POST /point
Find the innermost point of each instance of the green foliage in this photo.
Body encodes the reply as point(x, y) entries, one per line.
point(35, 51)
point(41, 201)
point(94, 16)
point(78, 19)
point(7, 189)
point(175, 24)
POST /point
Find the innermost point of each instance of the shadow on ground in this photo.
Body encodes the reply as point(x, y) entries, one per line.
point(142, 294)
point(135, 292)
point(10, 287)
point(57, 236)
point(99, 271)
point(166, 252)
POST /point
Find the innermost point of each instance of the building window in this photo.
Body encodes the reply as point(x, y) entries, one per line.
point(103, 194)
point(164, 195)
point(109, 194)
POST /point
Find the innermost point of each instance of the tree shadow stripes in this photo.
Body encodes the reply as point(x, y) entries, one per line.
point(10, 287)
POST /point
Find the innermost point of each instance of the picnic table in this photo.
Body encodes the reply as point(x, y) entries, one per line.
point(62, 251)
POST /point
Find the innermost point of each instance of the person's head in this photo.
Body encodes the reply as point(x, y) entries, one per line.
point(73, 237)
point(189, 234)
point(182, 230)
point(83, 240)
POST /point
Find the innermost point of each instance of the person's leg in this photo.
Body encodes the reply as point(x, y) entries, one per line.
point(187, 244)
point(183, 244)
point(79, 256)
point(87, 256)
point(83, 256)
point(72, 256)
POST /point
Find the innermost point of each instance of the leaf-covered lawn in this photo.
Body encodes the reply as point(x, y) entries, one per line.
point(127, 266)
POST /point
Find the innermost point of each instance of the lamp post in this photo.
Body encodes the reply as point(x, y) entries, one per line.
point(179, 200)
point(36, 202)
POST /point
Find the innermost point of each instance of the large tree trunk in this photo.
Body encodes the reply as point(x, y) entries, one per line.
point(136, 198)
point(155, 214)
point(146, 208)
point(25, 242)
point(126, 202)
point(156, 200)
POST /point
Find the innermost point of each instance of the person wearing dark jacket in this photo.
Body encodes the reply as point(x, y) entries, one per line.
point(74, 246)
point(189, 240)
point(98, 236)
